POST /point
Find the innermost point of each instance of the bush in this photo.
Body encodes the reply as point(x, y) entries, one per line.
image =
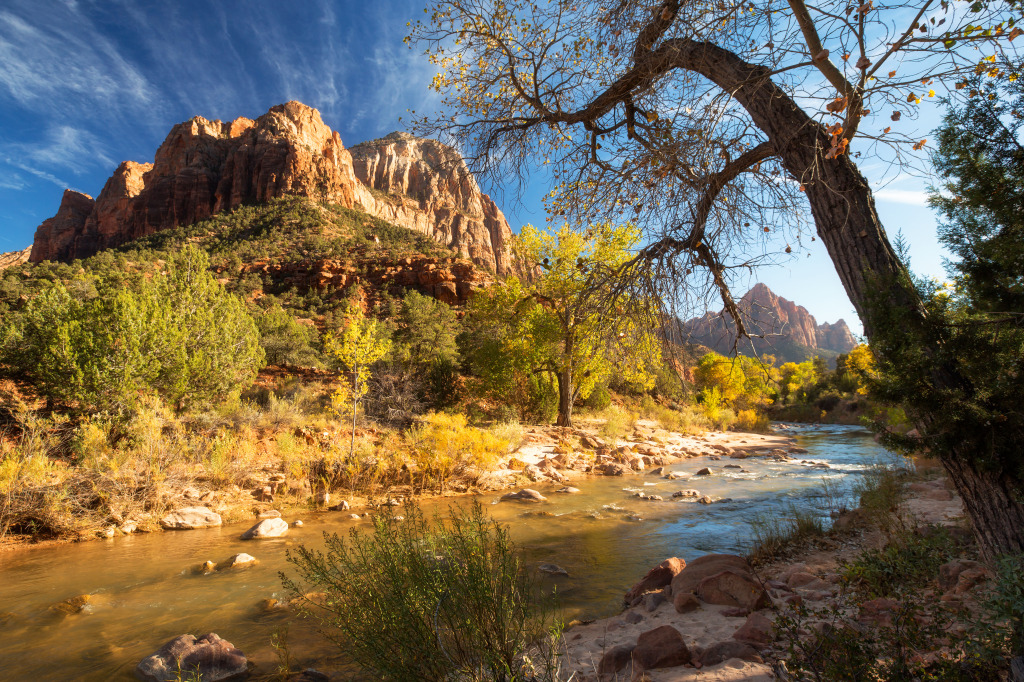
point(617, 422)
point(415, 600)
point(751, 420)
point(442, 445)
point(178, 335)
point(285, 340)
point(598, 399)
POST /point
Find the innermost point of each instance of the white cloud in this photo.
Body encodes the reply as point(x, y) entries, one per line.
point(65, 147)
point(64, 59)
point(903, 196)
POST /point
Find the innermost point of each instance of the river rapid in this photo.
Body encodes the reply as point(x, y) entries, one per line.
point(145, 593)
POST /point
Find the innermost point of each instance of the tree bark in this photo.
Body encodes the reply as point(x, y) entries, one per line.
point(565, 401)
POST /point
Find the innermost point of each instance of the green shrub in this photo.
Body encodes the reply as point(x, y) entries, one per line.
point(418, 600)
point(285, 340)
point(911, 559)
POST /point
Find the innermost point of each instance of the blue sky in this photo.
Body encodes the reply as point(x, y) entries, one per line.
point(85, 84)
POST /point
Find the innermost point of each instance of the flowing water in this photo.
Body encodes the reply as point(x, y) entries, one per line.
point(144, 592)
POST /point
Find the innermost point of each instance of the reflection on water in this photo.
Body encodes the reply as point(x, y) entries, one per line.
point(145, 594)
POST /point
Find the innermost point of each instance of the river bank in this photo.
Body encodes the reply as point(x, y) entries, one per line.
point(689, 620)
point(604, 538)
point(271, 481)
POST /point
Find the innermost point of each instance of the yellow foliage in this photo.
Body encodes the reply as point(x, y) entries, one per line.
point(442, 445)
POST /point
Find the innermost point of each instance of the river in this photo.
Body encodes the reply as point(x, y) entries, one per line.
point(144, 592)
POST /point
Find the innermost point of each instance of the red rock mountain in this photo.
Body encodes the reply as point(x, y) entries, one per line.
point(205, 167)
point(789, 332)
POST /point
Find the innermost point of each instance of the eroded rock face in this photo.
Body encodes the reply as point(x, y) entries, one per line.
point(13, 258)
point(425, 185)
point(205, 167)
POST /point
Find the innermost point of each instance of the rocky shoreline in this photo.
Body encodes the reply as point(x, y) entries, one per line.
point(712, 619)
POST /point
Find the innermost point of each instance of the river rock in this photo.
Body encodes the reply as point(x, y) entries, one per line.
point(685, 602)
point(341, 506)
point(656, 471)
point(757, 630)
point(569, 490)
point(723, 651)
point(615, 659)
point(267, 528)
point(662, 647)
point(707, 499)
point(733, 588)
point(242, 560)
point(297, 523)
point(269, 514)
point(70, 607)
point(553, 569)
point(524, 495)
point(209, 658)
point(686, 493)
point(689, 579)
point(674, 475)
point(189, 518)
point(658, 577)
point(703, 472)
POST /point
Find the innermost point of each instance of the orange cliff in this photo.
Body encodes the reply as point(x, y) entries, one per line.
point(205, 167)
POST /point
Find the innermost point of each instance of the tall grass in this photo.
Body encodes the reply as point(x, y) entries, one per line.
point(418, 599)
point(775, 535)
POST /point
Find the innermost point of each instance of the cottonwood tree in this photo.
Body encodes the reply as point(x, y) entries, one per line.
point(562, 325)
point(713, 123)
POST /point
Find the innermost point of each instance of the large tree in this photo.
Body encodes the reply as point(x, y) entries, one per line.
point(711, 123)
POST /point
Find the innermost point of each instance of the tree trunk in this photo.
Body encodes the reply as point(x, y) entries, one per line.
point(565, 397)
point(844, 214)
point(991, 503)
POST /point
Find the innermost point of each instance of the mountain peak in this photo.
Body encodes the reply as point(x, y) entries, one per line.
point(777, 326)
point(204, 167)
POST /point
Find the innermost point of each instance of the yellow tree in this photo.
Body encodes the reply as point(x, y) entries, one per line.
point(358, 345)
point(594, 332)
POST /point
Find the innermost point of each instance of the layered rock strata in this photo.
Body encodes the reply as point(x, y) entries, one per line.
point(205, 167)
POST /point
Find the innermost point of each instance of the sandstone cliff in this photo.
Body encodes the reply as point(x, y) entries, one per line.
point(789, 332)
point(13, 258)
point(205, 167)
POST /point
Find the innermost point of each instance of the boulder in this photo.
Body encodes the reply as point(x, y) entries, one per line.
point(524, 495)
point(757, 630)
point(684, 602)
point(569, 490)
point(703, 472)
point(615, 659)
point(707, 499)
point(689, 579)
point(267, 528)
point(208, 658)
point(612, 469)
point(662, 647)
point(949, 573)
point(241, 560)
point(189, 518)
point(723, 651)
point(658, 577)
point(652, 600)
point(878, 612)
point(733, 588)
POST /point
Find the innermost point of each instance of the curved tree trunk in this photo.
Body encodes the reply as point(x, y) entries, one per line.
point(847, 223)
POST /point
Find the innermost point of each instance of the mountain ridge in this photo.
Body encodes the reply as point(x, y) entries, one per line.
point(207, 167)
point(776, 326)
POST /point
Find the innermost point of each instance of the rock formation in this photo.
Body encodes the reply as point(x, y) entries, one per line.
point(12, 258)
point(205, 167)
point(428, 188)
point(786, 329)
